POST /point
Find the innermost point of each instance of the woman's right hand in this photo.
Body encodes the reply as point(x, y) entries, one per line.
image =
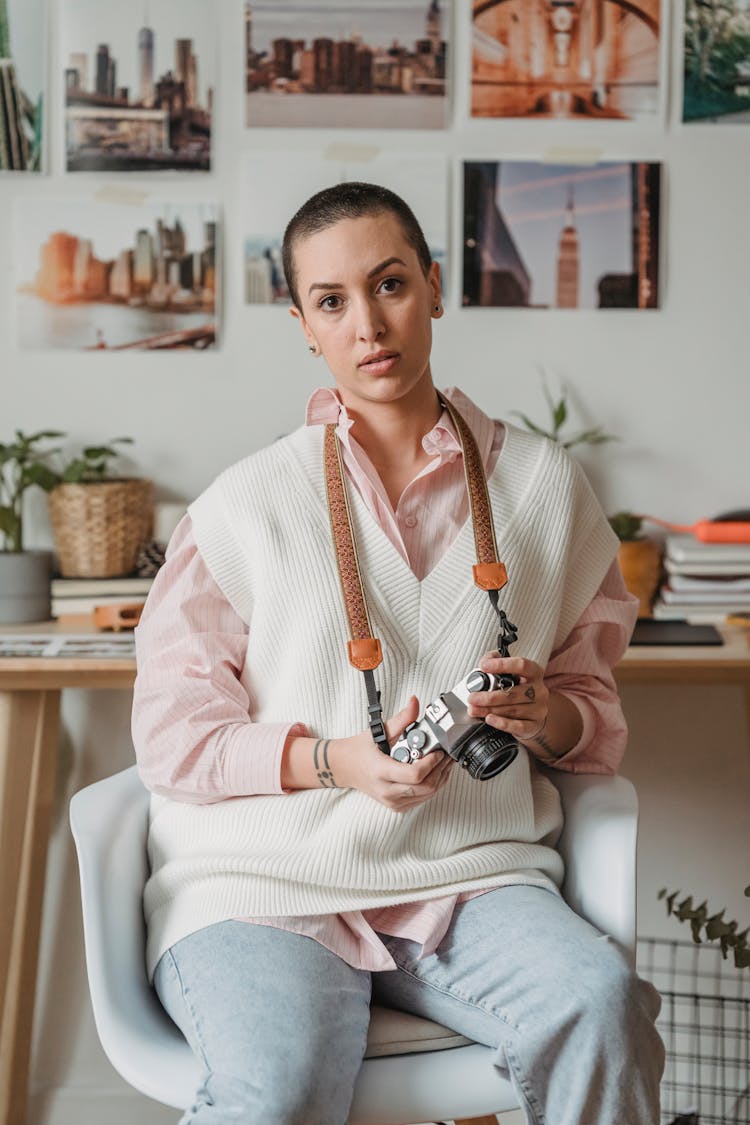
point(357, 763)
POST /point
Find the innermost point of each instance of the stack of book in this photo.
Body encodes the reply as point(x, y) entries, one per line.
point(703, 581)
point(74, 597)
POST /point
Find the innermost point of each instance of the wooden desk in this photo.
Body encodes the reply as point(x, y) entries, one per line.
point(29, 728)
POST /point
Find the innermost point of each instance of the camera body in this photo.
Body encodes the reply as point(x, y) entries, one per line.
point(446, 725)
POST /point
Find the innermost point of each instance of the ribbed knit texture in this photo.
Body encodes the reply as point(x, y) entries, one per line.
point(263, 531)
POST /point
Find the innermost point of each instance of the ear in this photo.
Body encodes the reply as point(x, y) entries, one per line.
point(298, 315)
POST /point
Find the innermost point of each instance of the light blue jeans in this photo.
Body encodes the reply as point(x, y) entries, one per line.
point(280, 1023)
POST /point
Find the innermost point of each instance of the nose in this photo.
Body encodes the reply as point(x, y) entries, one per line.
point(370, 326)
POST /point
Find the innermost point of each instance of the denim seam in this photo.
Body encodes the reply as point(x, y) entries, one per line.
point(190, 1010)
point(456, 995)
point(532, 1103)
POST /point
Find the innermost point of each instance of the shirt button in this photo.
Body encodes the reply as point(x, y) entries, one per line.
point(411, 521)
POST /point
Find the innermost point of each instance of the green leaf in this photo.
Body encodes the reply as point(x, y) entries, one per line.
point(560, 414)
point(532, 425)
point(42, 476)
point(716, 927)
point(685, 909)
point(42, 435)
point(10, 526)
point(94, 452)
point(75, 471)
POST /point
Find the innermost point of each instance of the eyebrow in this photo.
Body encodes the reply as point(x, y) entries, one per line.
point(373, 273)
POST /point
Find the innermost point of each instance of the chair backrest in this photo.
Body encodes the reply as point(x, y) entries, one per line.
point(109, 820)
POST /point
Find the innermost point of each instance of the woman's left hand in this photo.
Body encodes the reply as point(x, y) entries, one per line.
point(523, 709)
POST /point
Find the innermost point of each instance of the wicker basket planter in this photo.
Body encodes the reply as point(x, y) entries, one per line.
point(99, 526)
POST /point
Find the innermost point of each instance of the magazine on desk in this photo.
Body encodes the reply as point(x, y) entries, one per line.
point(68, 646)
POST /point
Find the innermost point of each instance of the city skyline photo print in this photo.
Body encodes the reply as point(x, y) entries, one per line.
point(584, 59)
point(99, 276)
point(551, 236)
point(717, 62)
point(23, 54)
point(139, 84)
point(331, 63)
point(277, 184)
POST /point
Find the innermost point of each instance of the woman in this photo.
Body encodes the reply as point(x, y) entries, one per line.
point(296, 869)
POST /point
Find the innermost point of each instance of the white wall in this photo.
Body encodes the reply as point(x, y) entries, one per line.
point(673, 384)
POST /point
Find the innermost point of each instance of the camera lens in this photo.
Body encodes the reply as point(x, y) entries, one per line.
point(487, 752)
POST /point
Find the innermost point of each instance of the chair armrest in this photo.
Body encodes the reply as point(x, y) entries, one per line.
point(598, 846)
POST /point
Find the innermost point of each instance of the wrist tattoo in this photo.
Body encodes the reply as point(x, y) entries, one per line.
point(322, 765)
point(542, 743)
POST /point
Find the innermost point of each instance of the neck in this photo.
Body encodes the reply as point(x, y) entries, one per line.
point(391, 432)
point(391, 435)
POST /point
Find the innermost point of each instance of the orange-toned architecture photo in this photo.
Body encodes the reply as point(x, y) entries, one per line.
point(565, 58)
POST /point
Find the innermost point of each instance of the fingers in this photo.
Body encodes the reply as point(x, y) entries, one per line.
point(406, 794)
point(522, 709)
point(408, 714)
point(516, 665)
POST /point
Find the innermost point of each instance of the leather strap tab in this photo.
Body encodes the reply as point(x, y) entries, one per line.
point(490, 576)
point(365, 653)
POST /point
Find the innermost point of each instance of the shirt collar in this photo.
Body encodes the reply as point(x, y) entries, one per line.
point(325, 406)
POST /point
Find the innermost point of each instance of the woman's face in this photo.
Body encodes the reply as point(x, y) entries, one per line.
point(367, 306)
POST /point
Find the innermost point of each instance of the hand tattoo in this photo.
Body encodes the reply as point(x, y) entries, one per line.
point(530, 693)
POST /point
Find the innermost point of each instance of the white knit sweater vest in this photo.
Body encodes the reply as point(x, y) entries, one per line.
point(263, 530)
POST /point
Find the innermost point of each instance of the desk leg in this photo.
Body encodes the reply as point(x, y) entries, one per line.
point(29, 726)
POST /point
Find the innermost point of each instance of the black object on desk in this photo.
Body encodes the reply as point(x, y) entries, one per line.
point(650, 632)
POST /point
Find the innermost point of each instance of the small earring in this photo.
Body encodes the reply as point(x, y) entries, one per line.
point(437, 308)
point(312, 349)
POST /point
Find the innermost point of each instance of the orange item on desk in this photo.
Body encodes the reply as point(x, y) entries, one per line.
point(710, 531)
point(117, 617)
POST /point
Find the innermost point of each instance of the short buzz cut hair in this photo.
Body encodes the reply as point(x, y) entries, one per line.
point(350, 200)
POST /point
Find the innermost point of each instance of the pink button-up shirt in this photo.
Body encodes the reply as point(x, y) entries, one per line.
point(195, 740)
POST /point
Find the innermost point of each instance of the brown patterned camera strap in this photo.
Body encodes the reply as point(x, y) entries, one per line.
point(364, 650)
point(489, 572)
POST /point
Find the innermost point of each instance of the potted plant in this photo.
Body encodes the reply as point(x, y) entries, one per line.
point(99, 519)
point(24, 575)
point(639, 559)
point(559, 415)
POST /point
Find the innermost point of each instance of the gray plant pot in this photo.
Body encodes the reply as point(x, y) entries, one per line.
point(25, 586)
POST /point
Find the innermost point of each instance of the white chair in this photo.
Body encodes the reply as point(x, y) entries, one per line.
point(414, 1070)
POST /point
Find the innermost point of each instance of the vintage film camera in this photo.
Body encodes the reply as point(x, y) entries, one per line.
point(446, 725)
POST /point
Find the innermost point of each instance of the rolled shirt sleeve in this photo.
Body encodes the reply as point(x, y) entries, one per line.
point(194, 738)
point(582, 669)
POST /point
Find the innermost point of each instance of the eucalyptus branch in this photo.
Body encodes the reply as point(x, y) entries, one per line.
point(711, 927)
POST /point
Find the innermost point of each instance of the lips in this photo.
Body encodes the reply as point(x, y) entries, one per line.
point(378, 363)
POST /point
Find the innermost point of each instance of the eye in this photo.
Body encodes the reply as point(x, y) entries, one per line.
point(390, 284)
point(330, 303)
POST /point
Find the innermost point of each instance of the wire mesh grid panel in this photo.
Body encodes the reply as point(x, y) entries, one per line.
point(705, 1025)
